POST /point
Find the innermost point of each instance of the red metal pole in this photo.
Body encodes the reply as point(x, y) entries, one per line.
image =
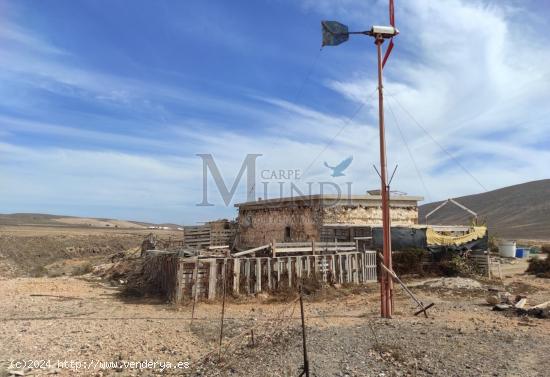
point(386, 286)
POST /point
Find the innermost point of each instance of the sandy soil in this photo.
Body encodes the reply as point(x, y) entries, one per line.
point(85, 320)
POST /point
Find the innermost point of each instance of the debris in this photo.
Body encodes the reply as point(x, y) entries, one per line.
point(501, 307)
point(534, 312)
point(544, 305)
point(521, 303)
point(493, 299)
point(16, 373)
point(454, 283)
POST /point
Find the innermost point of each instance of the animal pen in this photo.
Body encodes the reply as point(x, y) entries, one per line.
point(181, 279)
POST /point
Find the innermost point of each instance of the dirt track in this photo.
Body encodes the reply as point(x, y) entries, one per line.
point(69, 318)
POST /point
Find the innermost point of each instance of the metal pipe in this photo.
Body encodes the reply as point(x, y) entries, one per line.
point(386, 286)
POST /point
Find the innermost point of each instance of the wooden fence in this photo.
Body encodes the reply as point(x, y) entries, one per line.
point(201, 237)
point(204, 278)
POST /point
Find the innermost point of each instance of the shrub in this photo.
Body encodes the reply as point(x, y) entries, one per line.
point(492, 245)
point(539, 267)
point(409, 261)
point(458, 266)
point(82, 269)
point(38, 271)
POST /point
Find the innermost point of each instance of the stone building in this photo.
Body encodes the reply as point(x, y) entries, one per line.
point(319, 218)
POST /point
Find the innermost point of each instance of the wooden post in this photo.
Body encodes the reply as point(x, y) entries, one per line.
point(308, 265)
point(289, 268)
point(273, 248)
point(341, 277)
point(315, 266)
point(212, 279)
point(333, 267)
point(195, 288)
point(313, 246)
point(350, 270)
point(364, 267)
point(179, 283)
point(247, 275)
point(258, 275)
point(269, 284)
point(236, 275)
point(278, 262)
point(325, 267)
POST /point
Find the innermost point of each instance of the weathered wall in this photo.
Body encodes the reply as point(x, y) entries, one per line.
point(260, 226)
point(360, 215)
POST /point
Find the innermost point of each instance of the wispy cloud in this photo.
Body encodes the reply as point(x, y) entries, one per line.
point(129, 146)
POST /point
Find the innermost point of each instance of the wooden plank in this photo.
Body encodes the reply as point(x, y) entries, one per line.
point(269, 284)
point(306, 249)
point(247, 275)
point(333, 267)
point(278, 272)
point(293, 244)
point(289, 269)
point(250, 251)
point(324, 265)
point(258, 287)
point(212, 279)
point(236, 275)
point(341, 275)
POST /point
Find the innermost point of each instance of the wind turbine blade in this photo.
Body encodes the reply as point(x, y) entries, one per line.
point(392, 14)
point(388, 52)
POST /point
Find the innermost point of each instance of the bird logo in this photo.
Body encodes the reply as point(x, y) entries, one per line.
point(338, 170)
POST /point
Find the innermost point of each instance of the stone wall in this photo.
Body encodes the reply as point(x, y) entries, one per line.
point(359, 215)
point(260, 226)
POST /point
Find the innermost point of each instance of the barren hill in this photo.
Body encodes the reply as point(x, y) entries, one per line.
point(519, 211)
point(56, 220)
point(41, 219)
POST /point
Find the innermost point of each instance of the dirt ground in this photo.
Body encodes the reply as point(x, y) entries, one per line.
point(81, 319)
point(82, 325)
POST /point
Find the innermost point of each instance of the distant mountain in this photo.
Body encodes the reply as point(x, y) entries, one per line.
point(41, 219)
point(518, 212)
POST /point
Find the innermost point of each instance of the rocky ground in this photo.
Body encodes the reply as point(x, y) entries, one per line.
point(85, 320)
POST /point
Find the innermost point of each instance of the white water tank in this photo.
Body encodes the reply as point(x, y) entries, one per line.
point(507, 249)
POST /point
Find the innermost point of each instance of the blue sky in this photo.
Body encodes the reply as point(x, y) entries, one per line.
point(105, 104)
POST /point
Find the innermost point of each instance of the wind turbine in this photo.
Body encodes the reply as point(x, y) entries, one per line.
point(335, 33)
